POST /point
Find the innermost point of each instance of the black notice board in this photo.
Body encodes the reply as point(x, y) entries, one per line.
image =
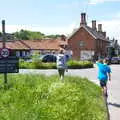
point(9, 65)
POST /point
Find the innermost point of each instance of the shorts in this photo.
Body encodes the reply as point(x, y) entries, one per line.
point(61, 71)
point(103, 83)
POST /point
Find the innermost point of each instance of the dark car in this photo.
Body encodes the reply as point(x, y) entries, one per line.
point(48, 58)
point(115, 60)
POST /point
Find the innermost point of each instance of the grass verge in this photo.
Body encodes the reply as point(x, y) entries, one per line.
point(39, 97)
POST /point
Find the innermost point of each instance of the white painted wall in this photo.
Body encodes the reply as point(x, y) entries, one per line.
point(86, 55)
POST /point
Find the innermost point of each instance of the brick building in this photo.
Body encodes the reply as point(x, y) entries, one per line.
point(88, 42)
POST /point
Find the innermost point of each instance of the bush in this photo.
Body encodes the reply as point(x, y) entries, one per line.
point(72, 64)
point(79, 64)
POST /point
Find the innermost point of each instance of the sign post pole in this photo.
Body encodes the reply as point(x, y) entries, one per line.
point(4, 40)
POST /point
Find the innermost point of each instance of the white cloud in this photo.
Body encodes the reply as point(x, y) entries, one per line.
point(117, 15)
point(101, 1)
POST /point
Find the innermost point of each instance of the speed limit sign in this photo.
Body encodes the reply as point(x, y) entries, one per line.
point(5, 52)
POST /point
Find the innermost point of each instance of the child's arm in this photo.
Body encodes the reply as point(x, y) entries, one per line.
point(65, 63)
point(109, 76)
point(109, 73)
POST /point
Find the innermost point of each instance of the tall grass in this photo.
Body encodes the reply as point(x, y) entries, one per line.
point(39, 97)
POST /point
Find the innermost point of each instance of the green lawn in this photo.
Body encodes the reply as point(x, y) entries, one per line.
point(39, 97)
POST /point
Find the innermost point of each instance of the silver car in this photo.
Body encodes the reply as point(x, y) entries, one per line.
point(115, 60)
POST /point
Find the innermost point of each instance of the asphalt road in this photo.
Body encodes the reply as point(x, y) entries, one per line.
point(91, 74)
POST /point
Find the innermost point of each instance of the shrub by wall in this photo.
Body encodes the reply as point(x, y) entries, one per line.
point(72, 64)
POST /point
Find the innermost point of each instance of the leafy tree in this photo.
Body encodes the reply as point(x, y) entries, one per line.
point(30, 35)
point(53, 36)
point(22, 35)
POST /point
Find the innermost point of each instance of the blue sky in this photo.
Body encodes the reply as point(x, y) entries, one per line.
point(60, 16)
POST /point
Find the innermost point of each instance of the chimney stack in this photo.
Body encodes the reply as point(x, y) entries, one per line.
point(99, 27)
point(94, 24)
point(104, 33)
point(63, 37)
point(83, 19)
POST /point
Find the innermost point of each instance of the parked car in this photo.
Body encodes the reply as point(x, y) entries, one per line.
point(48, 58)
point(115, 60)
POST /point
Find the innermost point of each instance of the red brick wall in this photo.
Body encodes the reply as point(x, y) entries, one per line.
point(74, 42)
point(101, 47)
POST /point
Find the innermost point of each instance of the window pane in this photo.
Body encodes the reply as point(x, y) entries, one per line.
point(81, 43)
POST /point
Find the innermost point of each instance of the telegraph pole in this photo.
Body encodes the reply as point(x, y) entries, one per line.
point(3, 31)
point(4, 46)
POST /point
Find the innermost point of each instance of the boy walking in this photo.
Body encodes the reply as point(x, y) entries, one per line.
point(104, 73)
point(61, 64)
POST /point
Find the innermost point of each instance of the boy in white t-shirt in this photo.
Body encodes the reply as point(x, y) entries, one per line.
point(61, 64)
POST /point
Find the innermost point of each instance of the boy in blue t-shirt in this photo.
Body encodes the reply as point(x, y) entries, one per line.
point(104, 73)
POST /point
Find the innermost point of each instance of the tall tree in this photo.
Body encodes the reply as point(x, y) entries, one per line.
point(30, 35)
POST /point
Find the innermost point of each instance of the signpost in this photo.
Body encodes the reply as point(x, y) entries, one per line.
point(8, 62)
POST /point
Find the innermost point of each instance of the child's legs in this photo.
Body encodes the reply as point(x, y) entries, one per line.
point(105, 89)
point(61, 72)
point(103, 84)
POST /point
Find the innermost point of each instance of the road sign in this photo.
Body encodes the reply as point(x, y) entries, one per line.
point(5, 52)
point(9, 65)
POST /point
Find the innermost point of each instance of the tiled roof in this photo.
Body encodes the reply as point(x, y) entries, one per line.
point(48, 44)
point(94, 33)
point(17, 44)
point(53, 44)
